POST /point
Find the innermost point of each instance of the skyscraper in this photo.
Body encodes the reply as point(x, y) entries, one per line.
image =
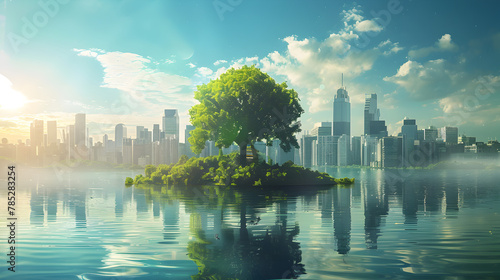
point(326, 150)
point(324, 146)
point(322, 129)
point(156, 132)
point(342, 113)
point(466, 140)
point(105, 140)
point(344, 150)
point(430, 134)
point(368, 150)
point(306, 150)
point(409, 133)
point(171, 131)
point(390, 151)
point(36, 133)
point(378, 129)
point(120, 133)
point(80, 130)
point(373, 125)
point(356, 150)
point(139, 132)
point(449, 135)
point(277, 154)
point(70, 135)
point(171, 123)
point(372, 113)
point(51, 132)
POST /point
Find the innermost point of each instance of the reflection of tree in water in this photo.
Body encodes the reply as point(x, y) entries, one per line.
point(222, 250)
point(243, 254)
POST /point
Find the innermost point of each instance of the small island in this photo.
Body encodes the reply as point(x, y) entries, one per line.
point(225, 170)
point(241, 106)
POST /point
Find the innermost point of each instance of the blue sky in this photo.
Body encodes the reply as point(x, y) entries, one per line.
point(126, 61)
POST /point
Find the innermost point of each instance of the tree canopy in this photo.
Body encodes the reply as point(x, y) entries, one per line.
point(244, 105)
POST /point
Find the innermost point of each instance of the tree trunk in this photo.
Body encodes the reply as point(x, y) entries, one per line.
point(243, 154)
point(255, 154)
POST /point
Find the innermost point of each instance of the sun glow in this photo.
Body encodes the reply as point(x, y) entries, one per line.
point(10, 99)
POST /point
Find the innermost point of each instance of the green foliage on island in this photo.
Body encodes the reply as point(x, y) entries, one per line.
point(226, 171)
point(344, 181)
point(243, 106)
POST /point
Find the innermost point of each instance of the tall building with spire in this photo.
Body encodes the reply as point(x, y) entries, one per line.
point(341, 112)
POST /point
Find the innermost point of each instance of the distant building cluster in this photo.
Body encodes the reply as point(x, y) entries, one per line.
point(332, 144)
point(326, 144)
point(56, 144)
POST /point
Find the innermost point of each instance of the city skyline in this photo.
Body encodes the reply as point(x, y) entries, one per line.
point(444, 76)
point(39, 129)
point(321, 146)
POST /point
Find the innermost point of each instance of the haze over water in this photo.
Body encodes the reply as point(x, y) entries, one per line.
point(405, 224)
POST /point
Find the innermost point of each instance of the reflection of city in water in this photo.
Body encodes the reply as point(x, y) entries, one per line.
point(399, 221)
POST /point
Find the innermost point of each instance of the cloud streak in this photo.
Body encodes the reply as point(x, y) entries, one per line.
point(443, 44)
point(138, 76)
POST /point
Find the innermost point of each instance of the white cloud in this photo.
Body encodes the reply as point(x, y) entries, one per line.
point(88, 53)
point(277, 58)
point(473, 96)
point(237, 64)
point(130, 73)
point(314, 67)
point(191, 65)
point(443, 44)
point(204, 71)
point(219, 72)
point(461, 97)
point(220, 61)
point(389, 47)
point(354, 20)
point(145, 89)
point(367, 26)
point(431, 80)
point(252, 59)
point(389, 101)
point(352, 15)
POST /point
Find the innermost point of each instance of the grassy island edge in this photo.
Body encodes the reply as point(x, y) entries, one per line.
point(225, 170)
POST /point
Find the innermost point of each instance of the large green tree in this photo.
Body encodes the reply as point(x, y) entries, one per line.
point(243, 106)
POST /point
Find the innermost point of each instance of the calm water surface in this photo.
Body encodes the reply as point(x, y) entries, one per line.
point(392, 224)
